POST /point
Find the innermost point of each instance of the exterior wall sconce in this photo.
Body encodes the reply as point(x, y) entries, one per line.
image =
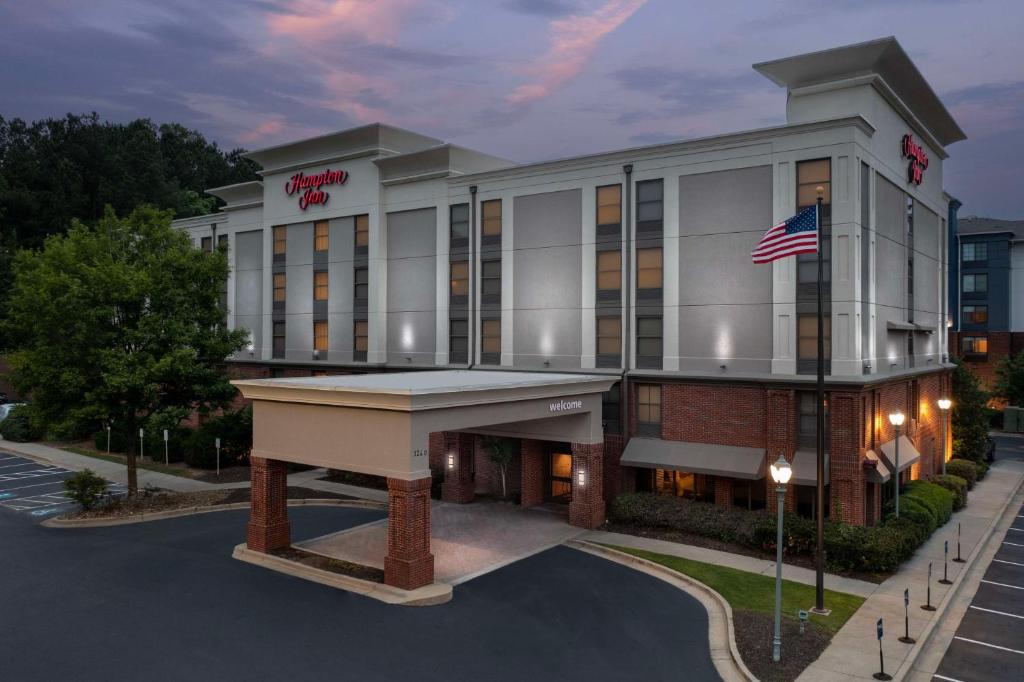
point(451, 460)
point(316, 355)
point(581, 478)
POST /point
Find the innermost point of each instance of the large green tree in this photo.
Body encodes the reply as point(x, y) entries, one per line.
point(117, 321)
point(969, 422)
point(1010, 380)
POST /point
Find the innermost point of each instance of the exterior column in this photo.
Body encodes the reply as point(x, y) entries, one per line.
point(458, 476)
point(723, 491)
point(268, 511)
point(531, 473)
point(409, 563)
point(586, 509)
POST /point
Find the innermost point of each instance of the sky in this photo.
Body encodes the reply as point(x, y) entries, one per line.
point(528, 80)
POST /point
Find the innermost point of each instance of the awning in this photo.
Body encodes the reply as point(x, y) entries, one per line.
point(697, 458)
point(879, 473)
point(893, 325)
point(805, 467)
point(908, 454)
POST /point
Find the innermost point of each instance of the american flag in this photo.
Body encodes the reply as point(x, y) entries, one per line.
point(799, 234)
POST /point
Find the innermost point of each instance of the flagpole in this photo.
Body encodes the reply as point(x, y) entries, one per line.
point(819, 555)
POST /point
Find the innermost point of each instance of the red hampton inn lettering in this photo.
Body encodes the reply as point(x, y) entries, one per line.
point(918, 159)
point(312, 184)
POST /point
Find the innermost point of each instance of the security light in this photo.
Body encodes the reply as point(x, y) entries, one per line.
point(896, 418)
point(945, 403)
point(781, 471)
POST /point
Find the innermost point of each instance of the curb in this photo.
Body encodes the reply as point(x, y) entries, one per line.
point(907, 667)
point(721, 636)
point(429, 595)
point(206, 509)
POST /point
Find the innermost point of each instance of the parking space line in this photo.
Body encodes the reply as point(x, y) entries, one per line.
point(35, 473)
point(1012, 544)
point(23, 464)
point(1012, 587)
point(34, 485)
point(1017, 530)
point(943, 677)
point(998, 613)
point(993, 646)
point(1012, 563)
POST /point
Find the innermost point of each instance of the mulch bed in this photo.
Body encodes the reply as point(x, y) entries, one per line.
point(333, 565)
point(709, 543)
point(229, 475)
point(352, 478)
point(754, 633)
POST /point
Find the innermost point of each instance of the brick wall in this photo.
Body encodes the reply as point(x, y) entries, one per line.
point(488, 474)
point(1000, 345)
point(714, 413)
point(268, 527)
point(409, 563)
point(531, 472)
point(586, 509)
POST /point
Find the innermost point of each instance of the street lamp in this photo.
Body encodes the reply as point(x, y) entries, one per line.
point(944, 405)
point(896, 419)
point(781, 471)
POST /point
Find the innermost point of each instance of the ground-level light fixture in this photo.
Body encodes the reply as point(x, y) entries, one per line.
point(896, 419)
point(781, 473)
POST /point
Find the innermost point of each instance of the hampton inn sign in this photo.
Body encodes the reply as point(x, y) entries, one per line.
point(312, 184)
point(918, 159)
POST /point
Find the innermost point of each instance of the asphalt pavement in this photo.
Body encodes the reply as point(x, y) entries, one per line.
point(164, 600)
point(36, 489)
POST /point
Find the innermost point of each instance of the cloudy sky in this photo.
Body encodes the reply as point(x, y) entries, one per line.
point(524, 79)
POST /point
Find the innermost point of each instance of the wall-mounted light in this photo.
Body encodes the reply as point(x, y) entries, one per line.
point(451, 460)
point(581, 477)
point(316, 355)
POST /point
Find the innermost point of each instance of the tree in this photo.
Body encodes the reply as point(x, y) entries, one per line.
point(501, 454)
point(1010, 380)
point(117, 322)
point(970, 425)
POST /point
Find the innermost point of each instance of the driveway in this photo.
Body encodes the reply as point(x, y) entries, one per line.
point(164, 601)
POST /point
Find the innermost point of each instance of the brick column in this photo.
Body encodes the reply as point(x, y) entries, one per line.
point(723, 491)
point(586, 509)
point(409, 563)
point(458, 481)
point(268, 511)
point(531, 473)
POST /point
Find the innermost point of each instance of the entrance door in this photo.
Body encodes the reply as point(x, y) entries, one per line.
point(558, 470)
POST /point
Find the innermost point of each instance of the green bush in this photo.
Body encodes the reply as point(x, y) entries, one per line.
point(235, 432)
point(921, 514)
point(965, 469)
point(937, 498)
point(982, 468)
point(85, 488)
point(955, 485)
point(118, 443)
point(20, 425)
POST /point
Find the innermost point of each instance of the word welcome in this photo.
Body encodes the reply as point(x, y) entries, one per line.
point(918, 159)
point(563, 405)
point(312, 184)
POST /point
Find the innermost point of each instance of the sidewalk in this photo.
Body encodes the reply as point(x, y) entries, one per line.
point(853, 652)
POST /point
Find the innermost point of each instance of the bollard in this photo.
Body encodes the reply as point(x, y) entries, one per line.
point(108, 438)
point(880, 675)
point(217, 444)
point(142, 443)
point(928, 604)
point(945, 565)
point(167, 457)
point(906, 638)
point(802, 615)
point(958, 558)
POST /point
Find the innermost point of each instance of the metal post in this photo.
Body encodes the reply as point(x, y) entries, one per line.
point(217, 443)
point(819, 555)
point(167, 457)
point(945, 564)
point(928, 603)
point(944, 441)
point(780, 492)
point(896, 474)
point(906, 638)
point(108, 438)
point(881, 675)
point(958, 559)
point(142, 443)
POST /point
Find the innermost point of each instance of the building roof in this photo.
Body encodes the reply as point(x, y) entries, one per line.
point(883, 58)
point(978, 225)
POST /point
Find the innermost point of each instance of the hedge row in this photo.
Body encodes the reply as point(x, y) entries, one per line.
point(923, 507)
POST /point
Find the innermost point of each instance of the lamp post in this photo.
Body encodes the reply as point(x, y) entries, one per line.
point(781, 471)
point(944, 405)
point(896, 419)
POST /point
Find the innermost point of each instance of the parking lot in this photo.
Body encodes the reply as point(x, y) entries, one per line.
point(989, 644)
point(36, 489)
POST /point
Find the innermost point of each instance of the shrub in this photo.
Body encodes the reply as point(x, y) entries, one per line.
point(935, 497)
point(118, 443)
point(982, 468)
point(916, 511)
point(20, 425)
point(956, 485)
point(85, 488)
point(965, 469)
point(235, 432)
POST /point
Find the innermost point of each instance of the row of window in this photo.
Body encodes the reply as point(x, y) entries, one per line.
point(360, 333)
point(975, 284)
point(974, 251)
point(361, 285)
point(322, 235)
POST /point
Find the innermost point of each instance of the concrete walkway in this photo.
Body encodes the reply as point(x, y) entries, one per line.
point(797, 574)
point(853, 652)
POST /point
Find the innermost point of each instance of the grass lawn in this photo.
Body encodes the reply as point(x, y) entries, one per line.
point(119, 459)
point(755, 592)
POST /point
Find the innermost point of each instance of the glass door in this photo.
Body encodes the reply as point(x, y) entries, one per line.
point(559, 470)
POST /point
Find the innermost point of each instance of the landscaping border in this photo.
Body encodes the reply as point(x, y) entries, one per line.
point(721, 636)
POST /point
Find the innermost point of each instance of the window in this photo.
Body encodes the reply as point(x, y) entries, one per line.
point(362, 285)
point(460, 278)
point(974, 345)
point(207, 243)
point(975, 251)
point(361, 334)
point(490, 278)
point(320, 335)
point(648, 342)
point(491, 211)
point(976, 314)
point(609, 336)
point(609, 271)
point(458, 341)
point(810, 175)
point(490, 339)
point(648, 406)
point(458, 221)
point(649, 206)
point(975, 284)
point(278, 340)
point(321, 236)
point(915, 401)
point(362, 230)
point(807, 420)
point(609, 207)
point(648, 268)
point(222, 240)
point(280, 279)
point(611, 409)
point(320, 285)
point(807, 337)
point(280, 240)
